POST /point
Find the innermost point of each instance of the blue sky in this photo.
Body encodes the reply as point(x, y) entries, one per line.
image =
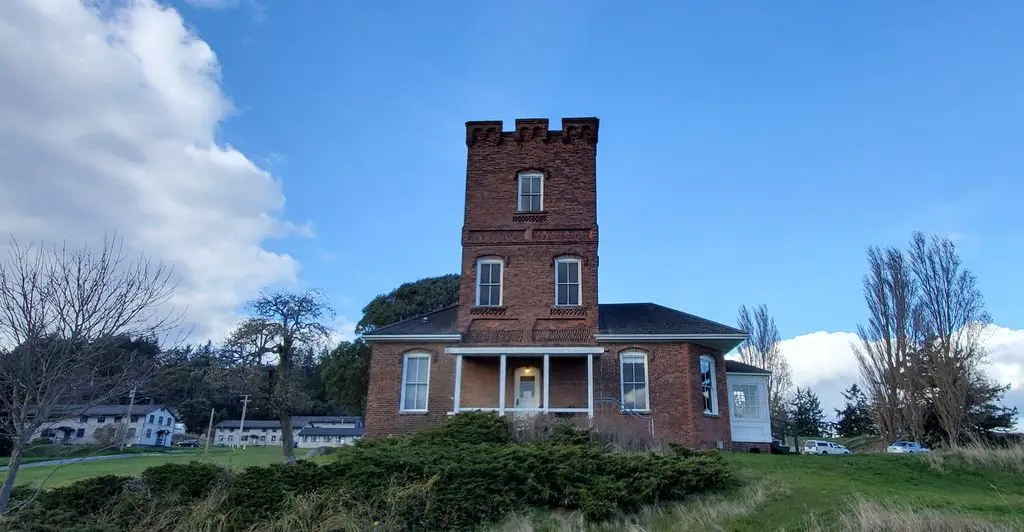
point(749, 153)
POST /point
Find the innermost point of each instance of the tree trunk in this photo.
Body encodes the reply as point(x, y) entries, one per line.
point(12, 474)
point(286, 435)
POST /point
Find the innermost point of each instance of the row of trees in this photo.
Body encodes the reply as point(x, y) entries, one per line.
point(921, 353)
point(84, 326)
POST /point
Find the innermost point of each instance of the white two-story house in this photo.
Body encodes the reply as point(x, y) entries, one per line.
point(151, 425)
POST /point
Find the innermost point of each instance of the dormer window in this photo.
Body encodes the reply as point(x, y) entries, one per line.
point(531, 192)
point(488, 282)
point(567, 282)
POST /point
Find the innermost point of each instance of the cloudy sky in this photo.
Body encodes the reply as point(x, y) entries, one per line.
point(748, 155)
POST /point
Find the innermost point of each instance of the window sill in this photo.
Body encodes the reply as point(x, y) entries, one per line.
point(635, 411)
point(538, 213)
point(412, 412)
point(714, 416)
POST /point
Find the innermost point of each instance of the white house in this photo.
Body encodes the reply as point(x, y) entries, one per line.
point(749, 417)
point(262, 432)
point(144, 424)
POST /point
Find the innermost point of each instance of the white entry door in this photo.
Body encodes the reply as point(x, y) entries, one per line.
point(527, 389)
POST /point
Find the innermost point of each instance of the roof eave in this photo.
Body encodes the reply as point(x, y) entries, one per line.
point(412, 337)
point(722, 342)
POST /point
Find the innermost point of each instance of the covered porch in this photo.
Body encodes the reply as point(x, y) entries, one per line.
point(524, 381)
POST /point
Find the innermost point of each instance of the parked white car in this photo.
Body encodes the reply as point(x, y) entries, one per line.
point(906, 447)
point(824, 447)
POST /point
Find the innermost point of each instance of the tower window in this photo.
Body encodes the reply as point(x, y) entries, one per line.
point(531, 192)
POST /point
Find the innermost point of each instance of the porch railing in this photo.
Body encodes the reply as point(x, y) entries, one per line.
point(643, 416)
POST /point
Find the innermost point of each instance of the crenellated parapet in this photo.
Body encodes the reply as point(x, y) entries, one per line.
point(489, 132)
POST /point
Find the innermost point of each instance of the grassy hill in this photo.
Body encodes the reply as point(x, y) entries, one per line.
point(859, 492)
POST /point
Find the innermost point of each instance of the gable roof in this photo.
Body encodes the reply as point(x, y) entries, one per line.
point(297, 422)
point(330, 431)
point(651, 318)
point(107, 410)
point(735, 366)
point(438, 322)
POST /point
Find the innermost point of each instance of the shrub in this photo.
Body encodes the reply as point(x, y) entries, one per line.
point(72, 507)
point(190, 481)
point(468, 428)
point(461, 476)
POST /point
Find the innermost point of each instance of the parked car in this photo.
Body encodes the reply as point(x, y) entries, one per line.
point(824, 447)
point(906, 447)
point(189, 443)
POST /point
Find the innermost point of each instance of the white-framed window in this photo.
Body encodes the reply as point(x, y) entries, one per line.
point(633, 369)
point(567, 282)
point(746, 401)
point(708, 385)
point(415, 382)
point(488, 282)
point(531, 192)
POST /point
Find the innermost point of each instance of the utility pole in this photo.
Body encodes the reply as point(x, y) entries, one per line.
point(241, 425)
point(209, 432)
point(127, 418)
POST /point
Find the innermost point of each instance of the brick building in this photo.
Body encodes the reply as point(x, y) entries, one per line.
point(528, 335)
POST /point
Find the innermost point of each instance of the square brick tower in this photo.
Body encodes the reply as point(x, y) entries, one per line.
point(529, 241)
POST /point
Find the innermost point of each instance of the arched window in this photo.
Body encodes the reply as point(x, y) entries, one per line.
point(567, 282)
point(415, 382)
point(633, 372)
point(488, 282)
point(531, 192)
point(708, 384)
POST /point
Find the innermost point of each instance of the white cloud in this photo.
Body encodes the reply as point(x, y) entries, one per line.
point(825, 362)
point(107, 122)
point(342, 330)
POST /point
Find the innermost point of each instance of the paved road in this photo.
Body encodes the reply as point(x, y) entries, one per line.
point(66, 461)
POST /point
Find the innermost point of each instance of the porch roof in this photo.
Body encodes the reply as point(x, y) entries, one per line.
point(735, 366)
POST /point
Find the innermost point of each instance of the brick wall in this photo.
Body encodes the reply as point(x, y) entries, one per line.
point(528, 244)
point(674, 390)
point(384, 393)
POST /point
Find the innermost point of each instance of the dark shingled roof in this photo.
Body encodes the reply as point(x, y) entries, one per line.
point(735, 366)
point(437, 322)
point(614, 318)
point(106, 410)
point(297, 422)
point(651, 318)
point(329, 431)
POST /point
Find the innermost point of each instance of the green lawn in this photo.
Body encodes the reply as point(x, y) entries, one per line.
point(66, 474)
point(820, 493)
point(826, 485)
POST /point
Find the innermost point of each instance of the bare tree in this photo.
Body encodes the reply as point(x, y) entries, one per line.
point(281, 325)
point(952, 316)
point(64, 318)
point(886, 353)
point(761, 349)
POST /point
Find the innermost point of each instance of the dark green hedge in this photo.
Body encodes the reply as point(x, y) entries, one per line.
point(456, 477)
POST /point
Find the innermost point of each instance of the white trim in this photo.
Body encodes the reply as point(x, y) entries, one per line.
point(501, 385)
point(412, 337)
point(741, 373)
point(715, 407)
point(579, 280)
point(654, 337)
point(539, 350)
point(622, 381)
point(547, 381)
point(590, 385)
point(492, 409)
point(458, 382)
point(501, 279)
point(405, 368)
point(519, 190)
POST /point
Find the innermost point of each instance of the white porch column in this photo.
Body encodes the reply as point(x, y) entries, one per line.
point(458, 383)
point(590, 385)
point(547, 367)
point(501, 387)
